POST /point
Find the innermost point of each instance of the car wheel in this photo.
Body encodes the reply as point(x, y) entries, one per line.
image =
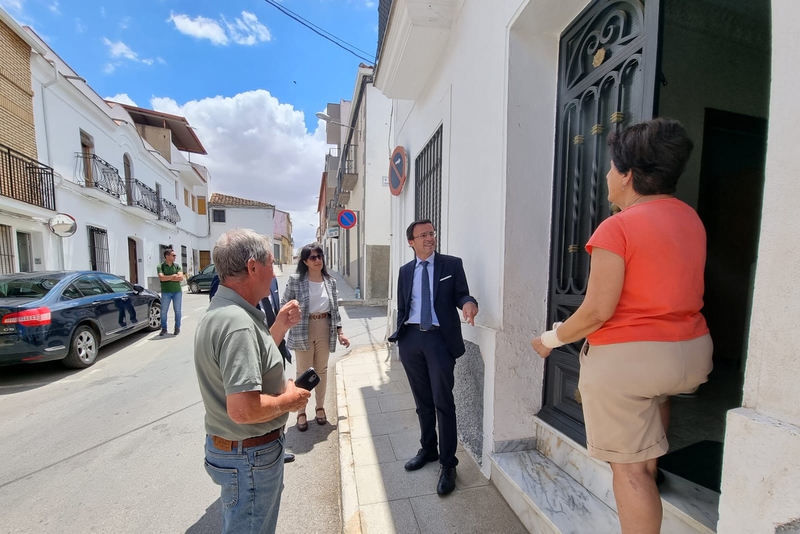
point(154, 317)
point(83, 348)
point(194, 288)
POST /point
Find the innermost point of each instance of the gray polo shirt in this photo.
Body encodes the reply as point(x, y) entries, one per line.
point(234, 352)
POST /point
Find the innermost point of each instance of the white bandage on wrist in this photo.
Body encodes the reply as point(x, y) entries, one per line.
point(550, 338)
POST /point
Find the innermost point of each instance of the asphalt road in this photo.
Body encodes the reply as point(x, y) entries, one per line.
point(118, 447)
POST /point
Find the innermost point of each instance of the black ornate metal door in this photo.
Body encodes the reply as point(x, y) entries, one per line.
point(608, 62)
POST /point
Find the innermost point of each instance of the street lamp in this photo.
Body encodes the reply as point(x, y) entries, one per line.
point(325, 117)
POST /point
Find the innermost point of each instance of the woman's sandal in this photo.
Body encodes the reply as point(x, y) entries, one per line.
point(321, 420)
point(302, 427)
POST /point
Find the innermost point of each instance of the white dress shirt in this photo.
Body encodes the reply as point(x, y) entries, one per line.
point(415, 314)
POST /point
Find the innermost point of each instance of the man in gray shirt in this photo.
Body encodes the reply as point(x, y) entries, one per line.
point(246, 397)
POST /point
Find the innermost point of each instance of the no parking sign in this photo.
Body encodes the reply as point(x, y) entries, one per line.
point(347, 219)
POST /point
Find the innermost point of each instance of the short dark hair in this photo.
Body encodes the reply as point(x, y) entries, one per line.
point(305, 252)
point(655, 151)
point(410, 229)
point(168, 251)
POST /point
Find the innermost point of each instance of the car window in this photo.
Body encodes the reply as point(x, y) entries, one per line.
point(117, 284)
point(71, 293)
point(27, 286)
point(209, 269)
point(90, 285)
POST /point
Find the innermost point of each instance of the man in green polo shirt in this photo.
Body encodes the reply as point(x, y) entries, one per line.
point(245, 395)
point(169, 272)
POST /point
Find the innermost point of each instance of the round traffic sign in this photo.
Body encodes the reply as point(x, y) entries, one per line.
point(398, 170)
point(347, 219)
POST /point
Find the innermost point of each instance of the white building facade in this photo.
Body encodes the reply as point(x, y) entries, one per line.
point(505, 136)
point(122, 173)
point(228, 212)
point(360, 184)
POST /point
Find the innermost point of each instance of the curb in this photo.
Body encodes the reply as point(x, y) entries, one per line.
point(351, 517)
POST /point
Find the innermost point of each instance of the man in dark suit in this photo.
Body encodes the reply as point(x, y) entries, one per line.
point(429, 289)
point(271, 308)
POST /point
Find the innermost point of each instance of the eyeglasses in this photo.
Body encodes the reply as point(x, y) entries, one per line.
point(315, 257)
point(426, 235)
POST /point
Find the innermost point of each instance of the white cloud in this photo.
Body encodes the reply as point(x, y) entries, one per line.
point(259, 148)
point(161, 60)
point(54, 8)
point(79, 26)
point(119, 50)
point(103, 11)
point(124, 23)
point(122, 98)
point(12, 5)
point(245, 30)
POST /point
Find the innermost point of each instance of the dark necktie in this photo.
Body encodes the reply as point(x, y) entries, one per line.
point(268, 311)
point(426, 317)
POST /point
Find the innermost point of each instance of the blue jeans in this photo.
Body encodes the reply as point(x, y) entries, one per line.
point(177, 301)
point(251, 482)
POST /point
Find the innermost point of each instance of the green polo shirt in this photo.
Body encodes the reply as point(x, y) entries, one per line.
point(169, 287)
point(233, 353)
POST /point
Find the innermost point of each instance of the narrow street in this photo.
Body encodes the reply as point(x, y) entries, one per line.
point(118, 447)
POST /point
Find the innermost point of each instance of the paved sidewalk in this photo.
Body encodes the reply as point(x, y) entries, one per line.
point(378, 433)
point(347, 295)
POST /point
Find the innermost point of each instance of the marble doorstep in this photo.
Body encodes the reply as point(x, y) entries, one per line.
point(548, 497)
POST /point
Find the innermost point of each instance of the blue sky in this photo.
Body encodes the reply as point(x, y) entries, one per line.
point(248, 77)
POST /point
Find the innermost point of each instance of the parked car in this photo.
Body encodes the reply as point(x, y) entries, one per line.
point(68, 315)
point(202, 280)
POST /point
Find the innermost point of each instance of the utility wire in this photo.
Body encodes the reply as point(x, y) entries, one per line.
point(341, 43)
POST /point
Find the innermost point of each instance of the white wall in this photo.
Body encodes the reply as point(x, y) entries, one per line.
point(258, 219)
point(378, 110)
point(761, 471)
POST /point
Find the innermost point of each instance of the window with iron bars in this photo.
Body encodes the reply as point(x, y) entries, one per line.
point(98, 250)
point(428, 182)
point(7, 263)
point(184, 264)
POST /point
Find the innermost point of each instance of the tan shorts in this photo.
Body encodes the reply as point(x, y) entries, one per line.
point(622, 386)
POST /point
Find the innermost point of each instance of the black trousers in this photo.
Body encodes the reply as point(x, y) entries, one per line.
point(429, 367)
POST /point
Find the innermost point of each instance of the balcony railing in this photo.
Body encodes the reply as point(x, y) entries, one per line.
point(26, 180)
point(143, 196)
point(169, 212)
point(95, 172)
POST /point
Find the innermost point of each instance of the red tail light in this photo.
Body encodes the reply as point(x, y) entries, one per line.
point(34, 317)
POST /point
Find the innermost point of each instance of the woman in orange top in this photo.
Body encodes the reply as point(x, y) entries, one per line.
point(646, 337)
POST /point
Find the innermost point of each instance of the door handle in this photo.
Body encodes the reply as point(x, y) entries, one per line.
point(96, 302)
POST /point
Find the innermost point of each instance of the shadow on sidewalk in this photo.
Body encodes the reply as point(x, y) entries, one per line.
point(210, 523)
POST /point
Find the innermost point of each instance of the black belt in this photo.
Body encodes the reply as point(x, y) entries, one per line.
point(416, 326)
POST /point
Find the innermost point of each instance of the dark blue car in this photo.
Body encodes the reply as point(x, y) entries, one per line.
point(68, 315)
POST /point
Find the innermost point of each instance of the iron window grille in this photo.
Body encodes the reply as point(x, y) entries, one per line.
point(218, 216)
point(428, 182)
point(7, 263)
point(184, 264)
point(98, 250)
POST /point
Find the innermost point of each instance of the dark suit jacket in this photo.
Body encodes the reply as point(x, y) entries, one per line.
point(450, 291)
point(276, 299)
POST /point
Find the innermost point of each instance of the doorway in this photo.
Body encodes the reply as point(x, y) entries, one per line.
point(24, 252)
point(723, 102)
point(133, 262)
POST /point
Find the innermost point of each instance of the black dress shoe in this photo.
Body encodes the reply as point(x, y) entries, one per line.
point(422, 458)
point(288, 457)
point(447, 480)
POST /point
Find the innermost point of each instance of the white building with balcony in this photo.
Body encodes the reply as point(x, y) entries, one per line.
point(123, 173)
point(356, 176)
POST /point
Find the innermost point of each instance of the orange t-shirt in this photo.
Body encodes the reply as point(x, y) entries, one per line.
point(663, 243)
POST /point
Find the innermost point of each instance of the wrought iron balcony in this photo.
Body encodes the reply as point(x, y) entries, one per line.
point(169, 212)
point(95, 172)
point(26, 180)
point(143, 196)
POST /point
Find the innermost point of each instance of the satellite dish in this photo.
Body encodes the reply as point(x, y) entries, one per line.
point(63, 225)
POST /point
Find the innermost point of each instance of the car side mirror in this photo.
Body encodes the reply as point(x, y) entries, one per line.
point(137, 288)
